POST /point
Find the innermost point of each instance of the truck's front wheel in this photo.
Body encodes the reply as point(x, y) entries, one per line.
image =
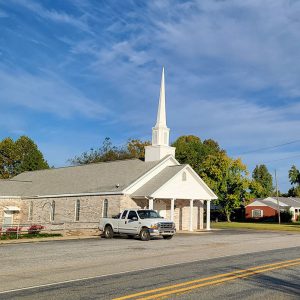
point(145, 234)
point(108, 232)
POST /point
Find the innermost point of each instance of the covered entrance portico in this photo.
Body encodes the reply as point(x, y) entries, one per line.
point(180, 195)
point(188, 214)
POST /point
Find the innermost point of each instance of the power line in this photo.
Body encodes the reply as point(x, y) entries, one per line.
point(271, 147)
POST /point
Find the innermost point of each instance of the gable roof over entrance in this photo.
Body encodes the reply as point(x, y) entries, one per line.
point(178, 182)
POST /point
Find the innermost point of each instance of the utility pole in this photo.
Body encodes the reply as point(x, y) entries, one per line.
point(278, 207)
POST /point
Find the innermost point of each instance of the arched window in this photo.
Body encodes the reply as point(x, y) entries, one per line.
point(52, 211)
point(30, 211)
point(105, 208)
point(77, 210)
point(184, 176)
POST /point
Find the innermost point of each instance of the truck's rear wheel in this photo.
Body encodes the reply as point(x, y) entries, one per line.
point(145, 234)
point(108, 232)
point(167, 237)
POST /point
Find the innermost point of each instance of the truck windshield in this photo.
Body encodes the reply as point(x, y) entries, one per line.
point(148, 214)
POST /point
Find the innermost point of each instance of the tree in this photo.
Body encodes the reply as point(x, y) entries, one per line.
point(20, 156)
point(262, 185)
point(134, 148)
point(227, 177)
point(190, 150)
point(294, 176)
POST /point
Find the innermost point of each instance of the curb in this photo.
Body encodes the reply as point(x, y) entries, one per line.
point(38, 240)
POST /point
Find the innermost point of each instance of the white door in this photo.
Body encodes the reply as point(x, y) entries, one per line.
point(132, 223)
point(161, 207)
point(7, 218)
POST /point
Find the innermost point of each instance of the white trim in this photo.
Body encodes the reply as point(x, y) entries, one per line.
point(203, 184)
point(257, 209)
point(150, 171)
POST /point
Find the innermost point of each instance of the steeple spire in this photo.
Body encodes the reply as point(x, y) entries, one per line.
point(161, 113)
point(160, 132)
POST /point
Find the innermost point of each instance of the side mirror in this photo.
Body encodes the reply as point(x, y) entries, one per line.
point(134, 219)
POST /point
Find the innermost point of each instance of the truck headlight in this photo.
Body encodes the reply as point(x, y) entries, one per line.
point(173, 226)
point(154, 226)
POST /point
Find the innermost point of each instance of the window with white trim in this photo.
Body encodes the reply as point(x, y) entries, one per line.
point(257, 213)
point(77, 210)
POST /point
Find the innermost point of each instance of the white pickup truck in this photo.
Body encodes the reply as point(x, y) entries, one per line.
point(138, 222)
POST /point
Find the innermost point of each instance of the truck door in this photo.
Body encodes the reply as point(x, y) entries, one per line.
point(123, 222)
point(132, 223)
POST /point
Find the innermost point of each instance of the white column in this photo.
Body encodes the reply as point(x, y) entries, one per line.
point(191, 214)
point(172, 209)
point(201, 214)
point(208, 215)
point(151, 203)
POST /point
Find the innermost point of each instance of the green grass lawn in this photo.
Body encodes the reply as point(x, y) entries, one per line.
point(256, 226)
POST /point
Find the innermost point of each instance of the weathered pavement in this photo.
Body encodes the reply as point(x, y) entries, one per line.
point(26, 265)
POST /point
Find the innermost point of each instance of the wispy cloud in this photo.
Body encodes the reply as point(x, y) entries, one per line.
point(54, 15)
point(49, 94)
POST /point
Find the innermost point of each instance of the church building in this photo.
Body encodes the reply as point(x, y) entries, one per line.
point(78, 196)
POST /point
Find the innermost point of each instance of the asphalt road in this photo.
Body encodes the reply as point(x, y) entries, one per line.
point(32, 265)
point(281, 283)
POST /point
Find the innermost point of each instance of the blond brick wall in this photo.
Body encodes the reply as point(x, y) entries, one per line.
point(91, 210)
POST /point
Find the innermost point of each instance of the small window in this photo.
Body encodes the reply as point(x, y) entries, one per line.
point(77, 210)
point(132, 214)
point(257, 213)
point(105, 208)
point(52, 211)
point(124, 214)
point(184, 176)
point(30, 211)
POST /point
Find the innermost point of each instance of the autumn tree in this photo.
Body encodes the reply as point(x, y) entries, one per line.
point(20, 156)
point(227, 177)
point(134, 148)
point(262, 185)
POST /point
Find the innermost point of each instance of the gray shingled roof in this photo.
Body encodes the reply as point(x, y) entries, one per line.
point(92, 178)
point(157, 181)
point(289, 201)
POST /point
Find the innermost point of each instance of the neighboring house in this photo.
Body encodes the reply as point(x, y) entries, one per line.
point(87, 193)
point(268, 207)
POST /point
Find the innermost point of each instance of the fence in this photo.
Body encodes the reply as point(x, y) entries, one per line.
point(17, 230)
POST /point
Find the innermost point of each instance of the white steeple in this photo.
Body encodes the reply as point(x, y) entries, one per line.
point(160, 133)
point(161, 113)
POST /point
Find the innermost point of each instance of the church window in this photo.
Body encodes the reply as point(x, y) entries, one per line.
point(184, 176)
point(52, 211)
point(77, 210)
point(30, 211)
point(105, 208)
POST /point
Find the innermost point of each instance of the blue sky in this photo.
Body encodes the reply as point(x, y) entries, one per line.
point(74, 72)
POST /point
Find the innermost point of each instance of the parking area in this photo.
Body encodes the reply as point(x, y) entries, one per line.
point(39, 263)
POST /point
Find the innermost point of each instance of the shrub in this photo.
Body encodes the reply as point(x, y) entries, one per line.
point(286, 216)
point(11, 231)
point(35, 229)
